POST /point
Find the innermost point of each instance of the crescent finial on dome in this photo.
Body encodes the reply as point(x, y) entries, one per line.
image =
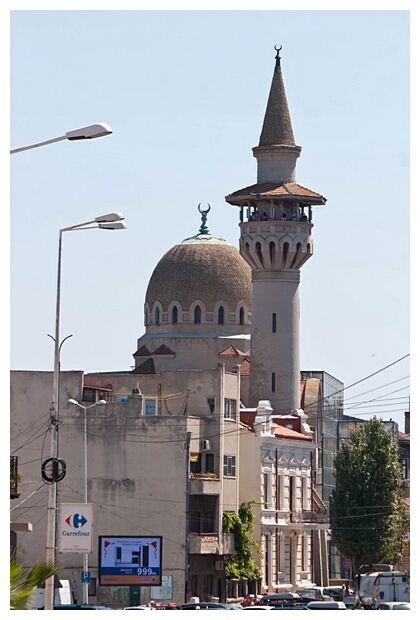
point(203, 228)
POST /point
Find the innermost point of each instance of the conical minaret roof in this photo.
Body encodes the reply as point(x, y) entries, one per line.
point(277, 127)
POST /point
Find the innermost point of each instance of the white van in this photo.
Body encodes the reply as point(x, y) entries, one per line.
point(63, 595)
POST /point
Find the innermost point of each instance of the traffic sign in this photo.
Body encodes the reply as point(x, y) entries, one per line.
point(347, 564)
point(85, 576)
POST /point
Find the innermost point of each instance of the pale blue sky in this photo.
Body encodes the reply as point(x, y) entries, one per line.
point(185, 94)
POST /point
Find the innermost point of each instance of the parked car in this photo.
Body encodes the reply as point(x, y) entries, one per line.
point(349, 602)
point(139, 607)
point(335, 605)
point(288, 607)
point(78, 607)
point(205, 605)
point(314, 593)
point(278, 598)
point(259, 608)
point(400, 606)
point(336, 592)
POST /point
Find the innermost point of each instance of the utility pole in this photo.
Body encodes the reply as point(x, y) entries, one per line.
point(187, 510)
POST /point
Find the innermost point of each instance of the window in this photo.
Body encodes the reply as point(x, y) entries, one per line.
point(280, 492)
point(210, 404)
point(266, 480)
point(229, 465)
point(230, 409)
point(157, 316)
point(195, 463)
point(292, 490)
point(221, 316)
point(273, 381)
point(274, 323)
point(241, 316)
point(209, 462)
point(150, 406)
point(174, 315)
point(197, 315)
point(304, 492)
point(202, 514)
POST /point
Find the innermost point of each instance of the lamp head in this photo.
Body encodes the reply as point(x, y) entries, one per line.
point(87, 133)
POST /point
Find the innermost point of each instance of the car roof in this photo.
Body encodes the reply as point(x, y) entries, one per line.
point(280, 595)
point(326, 605)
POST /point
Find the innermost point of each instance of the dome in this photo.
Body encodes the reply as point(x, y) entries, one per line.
point(196, 278)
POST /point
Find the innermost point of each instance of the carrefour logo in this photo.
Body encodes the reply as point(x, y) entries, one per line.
point(76, 520)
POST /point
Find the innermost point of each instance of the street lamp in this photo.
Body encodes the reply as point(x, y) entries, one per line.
point(110, 221)
point(83, 133)
point(85, 486)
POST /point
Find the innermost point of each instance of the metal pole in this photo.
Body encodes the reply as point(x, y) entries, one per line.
point(187, 509)
point(86, 555)
point(52, 491)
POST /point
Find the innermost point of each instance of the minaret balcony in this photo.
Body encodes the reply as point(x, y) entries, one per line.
point(276, 244)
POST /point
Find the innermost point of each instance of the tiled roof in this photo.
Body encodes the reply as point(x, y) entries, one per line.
point(142, 352)
point(282, 432)
point(233, 351)
point(147, 368)
point(245, 368)
point(269, 190)
point(164, 350)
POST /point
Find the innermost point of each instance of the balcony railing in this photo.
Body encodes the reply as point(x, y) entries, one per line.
point(308, 516)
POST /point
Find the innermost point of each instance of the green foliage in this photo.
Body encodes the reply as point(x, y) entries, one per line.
point(368, 514)
point(23, 582)
point(242, 565)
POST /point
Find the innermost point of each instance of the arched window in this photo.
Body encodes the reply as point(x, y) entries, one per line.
point(157, 316)
point(221, 316)
point(197, 315)
point(174, 315)
point(241, 316)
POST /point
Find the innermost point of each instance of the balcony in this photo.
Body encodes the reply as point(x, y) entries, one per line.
point(207, 483)
point(210, 544)
point(309, 516)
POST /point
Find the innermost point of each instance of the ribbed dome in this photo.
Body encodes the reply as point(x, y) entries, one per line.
point(203, 268)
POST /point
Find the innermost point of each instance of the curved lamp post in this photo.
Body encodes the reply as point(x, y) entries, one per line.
point(85, 484)
point(110, 221)
point(83, 133)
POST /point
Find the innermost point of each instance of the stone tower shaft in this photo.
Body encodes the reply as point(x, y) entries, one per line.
point(276, 241)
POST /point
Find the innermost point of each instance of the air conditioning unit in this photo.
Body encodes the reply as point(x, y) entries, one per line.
point(205, 445)
point(219, 565)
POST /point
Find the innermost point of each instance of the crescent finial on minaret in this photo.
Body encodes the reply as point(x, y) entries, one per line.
point(278, 57)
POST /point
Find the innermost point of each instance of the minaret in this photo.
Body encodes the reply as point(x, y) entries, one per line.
point(276, 240)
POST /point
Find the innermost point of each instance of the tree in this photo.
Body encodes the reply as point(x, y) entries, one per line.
point(242, 565)
point(23, 581)
point(368, 515)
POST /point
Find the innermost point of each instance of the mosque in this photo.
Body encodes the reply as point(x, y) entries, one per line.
point(210, 418)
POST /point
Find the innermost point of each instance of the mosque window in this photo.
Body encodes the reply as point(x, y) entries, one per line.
point(241, 316)
point(197, 315)
point(274, 323)
point(273, 381)
point(157, 316)
point(221, 316)
point(174, 315)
